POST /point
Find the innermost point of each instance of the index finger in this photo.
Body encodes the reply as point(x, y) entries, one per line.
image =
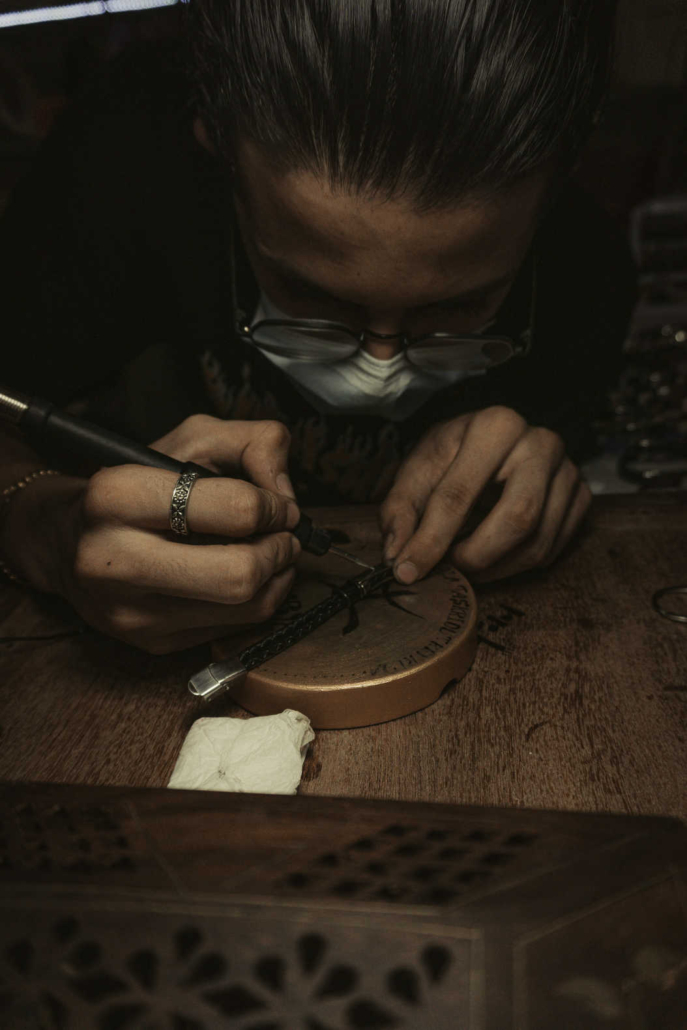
point(450, 502)
point(136, 496)
point(258, 448)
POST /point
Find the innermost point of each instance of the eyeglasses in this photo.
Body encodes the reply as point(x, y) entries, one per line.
point(323, 342)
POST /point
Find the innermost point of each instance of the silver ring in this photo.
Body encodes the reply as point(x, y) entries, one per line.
point(666, 612)
point(177, 509)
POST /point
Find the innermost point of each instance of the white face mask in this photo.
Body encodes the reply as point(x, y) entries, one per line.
point(359, 384)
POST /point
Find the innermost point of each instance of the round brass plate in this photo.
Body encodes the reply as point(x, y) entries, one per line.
point(389, 655)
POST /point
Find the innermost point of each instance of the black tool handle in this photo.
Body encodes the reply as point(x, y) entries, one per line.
point(316, 541)
point(64, 435)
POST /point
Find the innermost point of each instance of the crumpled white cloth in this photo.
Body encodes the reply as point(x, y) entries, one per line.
point(262, 755)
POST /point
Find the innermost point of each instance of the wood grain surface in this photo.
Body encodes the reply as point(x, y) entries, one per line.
point(577, 698)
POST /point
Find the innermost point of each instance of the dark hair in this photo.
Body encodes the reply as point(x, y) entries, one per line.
point(434, 99)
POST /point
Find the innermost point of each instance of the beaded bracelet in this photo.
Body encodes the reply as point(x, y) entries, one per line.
point(6, 495)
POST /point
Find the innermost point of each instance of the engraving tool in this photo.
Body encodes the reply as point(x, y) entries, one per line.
point(350, 653)
point(219, 677)
point(46, 426)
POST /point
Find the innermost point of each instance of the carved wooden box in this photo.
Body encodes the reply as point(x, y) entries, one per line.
point(124, 908)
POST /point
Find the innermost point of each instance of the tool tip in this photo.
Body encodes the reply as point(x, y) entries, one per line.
point(350, 557)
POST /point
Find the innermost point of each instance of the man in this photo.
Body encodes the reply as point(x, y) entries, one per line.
point(393, 173)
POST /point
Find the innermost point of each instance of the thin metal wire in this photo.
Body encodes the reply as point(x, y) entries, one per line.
point(666, 612)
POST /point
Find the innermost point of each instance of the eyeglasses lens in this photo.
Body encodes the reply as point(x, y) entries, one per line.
point(330, 344)
point(458, 353)
point(305, 342)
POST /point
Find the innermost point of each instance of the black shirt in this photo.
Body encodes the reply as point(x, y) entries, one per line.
point(114, 291)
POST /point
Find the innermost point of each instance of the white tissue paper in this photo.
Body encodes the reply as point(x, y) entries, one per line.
point(263, 755)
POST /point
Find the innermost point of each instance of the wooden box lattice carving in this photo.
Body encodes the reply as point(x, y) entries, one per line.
point(171, 909)
point(412, 864)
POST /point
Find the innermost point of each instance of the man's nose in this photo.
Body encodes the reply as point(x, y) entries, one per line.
point(384, 324)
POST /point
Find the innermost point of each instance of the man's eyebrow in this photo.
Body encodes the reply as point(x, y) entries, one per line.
point(476, 293)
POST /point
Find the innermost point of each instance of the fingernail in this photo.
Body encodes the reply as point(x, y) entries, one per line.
point(390, 551)
point(406, 572)
point(292, 514)
point(284, 486)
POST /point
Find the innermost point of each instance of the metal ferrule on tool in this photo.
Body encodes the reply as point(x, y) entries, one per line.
point(216, 678)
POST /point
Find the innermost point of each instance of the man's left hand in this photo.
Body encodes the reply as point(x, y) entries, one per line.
point(541, 505)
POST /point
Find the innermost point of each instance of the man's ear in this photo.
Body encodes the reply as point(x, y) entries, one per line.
point(201, 134)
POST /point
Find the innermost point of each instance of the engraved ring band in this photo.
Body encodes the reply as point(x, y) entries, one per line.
point(177, 509)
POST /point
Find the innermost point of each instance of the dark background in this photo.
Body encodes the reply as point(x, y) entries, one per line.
point(638, 151)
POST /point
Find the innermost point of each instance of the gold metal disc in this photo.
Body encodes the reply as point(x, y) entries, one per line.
point(387, 656)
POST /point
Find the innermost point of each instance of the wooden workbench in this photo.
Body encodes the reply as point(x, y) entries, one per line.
point(577, 698)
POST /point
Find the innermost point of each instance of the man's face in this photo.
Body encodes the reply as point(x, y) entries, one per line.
point(381, 266)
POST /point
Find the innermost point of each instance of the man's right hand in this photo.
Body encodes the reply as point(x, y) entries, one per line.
point(106, 544)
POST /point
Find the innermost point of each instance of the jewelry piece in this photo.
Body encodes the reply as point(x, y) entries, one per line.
point(666, 612)
point(6, 495)
point(177, 509)
point(23, 483)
